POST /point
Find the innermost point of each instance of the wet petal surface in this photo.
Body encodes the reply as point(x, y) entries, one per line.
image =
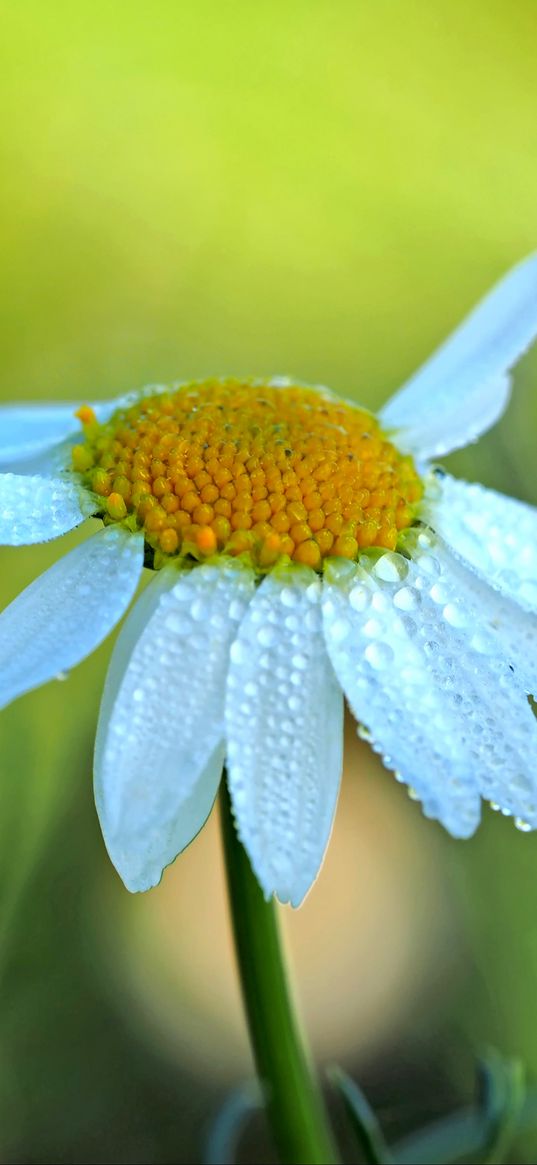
point(285, 734)
point(159, 748)
point(68, 611)
point(497, 535)
point(429, 671)
point(34, 508)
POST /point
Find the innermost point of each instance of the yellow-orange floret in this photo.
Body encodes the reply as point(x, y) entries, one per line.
point(240, 467)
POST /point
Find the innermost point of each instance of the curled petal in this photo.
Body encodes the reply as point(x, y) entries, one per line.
point(463, 389)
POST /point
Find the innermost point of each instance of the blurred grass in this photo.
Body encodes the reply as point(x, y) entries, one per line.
point(309, 187)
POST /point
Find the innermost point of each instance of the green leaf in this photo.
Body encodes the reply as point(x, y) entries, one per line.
point(362, 1118)
point(229, 1124)
point(502, 1091)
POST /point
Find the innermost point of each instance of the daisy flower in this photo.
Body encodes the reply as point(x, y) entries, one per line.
point(301, 550)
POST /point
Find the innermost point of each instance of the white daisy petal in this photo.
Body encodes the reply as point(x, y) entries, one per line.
point(285, 734)
point(159, 753)
point(64, 615)
point(52, 462)
point(36, 508)
point(27, 431)
point(497, 724)
point(464, 388)
point(509, 628)
point(449, 683)
point(496, 534)
point(372, 630)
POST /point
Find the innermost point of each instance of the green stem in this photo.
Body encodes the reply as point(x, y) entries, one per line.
point(294, 1104)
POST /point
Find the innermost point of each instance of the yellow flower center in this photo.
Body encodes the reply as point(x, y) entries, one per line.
point(239, 466)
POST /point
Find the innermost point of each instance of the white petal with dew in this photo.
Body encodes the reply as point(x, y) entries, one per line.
point(284, 714)
point(159, 754)
point(464, 388)
point(497, 535)
point(512, 628)
point(36, 508)
point(372, 634)
point(431, 680)
point(66, 612)
point(495, 666)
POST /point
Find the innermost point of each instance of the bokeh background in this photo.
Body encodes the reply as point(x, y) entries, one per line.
point(291, 186)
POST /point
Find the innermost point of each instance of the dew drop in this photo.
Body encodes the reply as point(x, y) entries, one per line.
point(372, 629)
point(359, 598)
point(391, 568)
point(178, 624)
point(428, 564)
point(482, 643)
point(454, 615)
point(406, 599)
point(338, 570)
point(379, 655)
point(339, 630)
point(266, 636)
point(238, 652)
point(439, 593)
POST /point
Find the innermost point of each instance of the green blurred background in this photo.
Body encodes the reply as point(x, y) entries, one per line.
point(321, 188)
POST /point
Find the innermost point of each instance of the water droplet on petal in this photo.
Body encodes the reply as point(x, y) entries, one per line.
point(289, 596)
point(372, 629)
point(439, 593)
point(266, 636)
point(379, 655)
point(238, 652)
point(406, 599)
point(391, 568)
point(339, 630)
point(428, 564)
point(359, 598)
point(454, 615)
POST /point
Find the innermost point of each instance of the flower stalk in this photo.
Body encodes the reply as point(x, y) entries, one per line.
point(294, 1104)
